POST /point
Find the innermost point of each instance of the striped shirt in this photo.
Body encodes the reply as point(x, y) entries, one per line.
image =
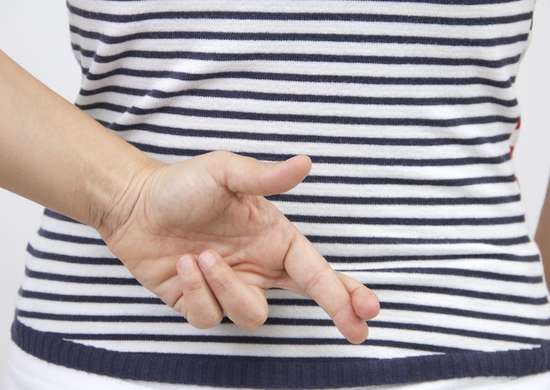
point(408, 110)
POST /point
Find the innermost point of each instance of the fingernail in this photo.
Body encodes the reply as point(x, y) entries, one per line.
point(186, 263)
point(206, 260)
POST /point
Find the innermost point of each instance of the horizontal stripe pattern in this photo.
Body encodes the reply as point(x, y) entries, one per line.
point(408, 112)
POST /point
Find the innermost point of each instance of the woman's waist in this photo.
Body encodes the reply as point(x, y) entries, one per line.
point(73, 284)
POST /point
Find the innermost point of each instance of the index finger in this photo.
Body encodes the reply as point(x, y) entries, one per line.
point(311, 272)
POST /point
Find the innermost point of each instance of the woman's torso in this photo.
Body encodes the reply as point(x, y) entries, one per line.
point(408, 111)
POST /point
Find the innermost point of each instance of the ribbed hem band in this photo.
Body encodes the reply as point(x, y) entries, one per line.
point(277, 372)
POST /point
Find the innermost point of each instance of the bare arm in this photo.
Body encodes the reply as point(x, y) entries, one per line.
point(542, 236)
point(58, 156)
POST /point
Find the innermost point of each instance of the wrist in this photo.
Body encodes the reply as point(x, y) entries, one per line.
point(113, 191)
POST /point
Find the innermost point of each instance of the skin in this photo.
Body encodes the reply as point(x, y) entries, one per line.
point(152, 214)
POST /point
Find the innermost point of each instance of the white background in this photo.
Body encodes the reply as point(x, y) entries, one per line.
point(35, 34)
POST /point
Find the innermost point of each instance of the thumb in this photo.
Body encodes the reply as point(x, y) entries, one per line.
point(254, 177)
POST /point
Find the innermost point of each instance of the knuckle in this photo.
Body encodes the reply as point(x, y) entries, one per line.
point(223, 154)
point(316, 280)
point(205, 318)
point(218, 165)
point(254, 320)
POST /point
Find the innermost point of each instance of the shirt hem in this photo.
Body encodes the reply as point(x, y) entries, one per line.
point(276, 372)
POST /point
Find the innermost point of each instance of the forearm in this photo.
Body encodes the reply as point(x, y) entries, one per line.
point(542, 236)
point(56, 155)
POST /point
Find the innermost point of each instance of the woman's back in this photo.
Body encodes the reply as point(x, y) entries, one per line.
point(408, 112)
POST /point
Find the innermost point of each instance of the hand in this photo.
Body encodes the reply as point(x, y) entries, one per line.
point(214, 205)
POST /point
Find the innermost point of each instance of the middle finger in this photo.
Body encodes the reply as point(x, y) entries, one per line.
point(315, 276)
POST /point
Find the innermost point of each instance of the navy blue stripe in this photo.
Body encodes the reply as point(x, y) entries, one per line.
point(69, 237)
point(464, 313)
point(467, 181)
point(455, 331)
point(459, 292)
point(310, 78)
point(282, 137)
point(375, 220)
point(440, 256)
point(73, 259)
point(373, 286)
point(309, 98)
point(54, 214)
point(425, 201)
point(338, 159)
point(415, 240)
point(453, 272)
point(303, 16)
point(334, 239)
point(312, 37)
point(81, 279)
point(331, 119)
point(325, 219)
point(88, 298)
point(301, 57)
